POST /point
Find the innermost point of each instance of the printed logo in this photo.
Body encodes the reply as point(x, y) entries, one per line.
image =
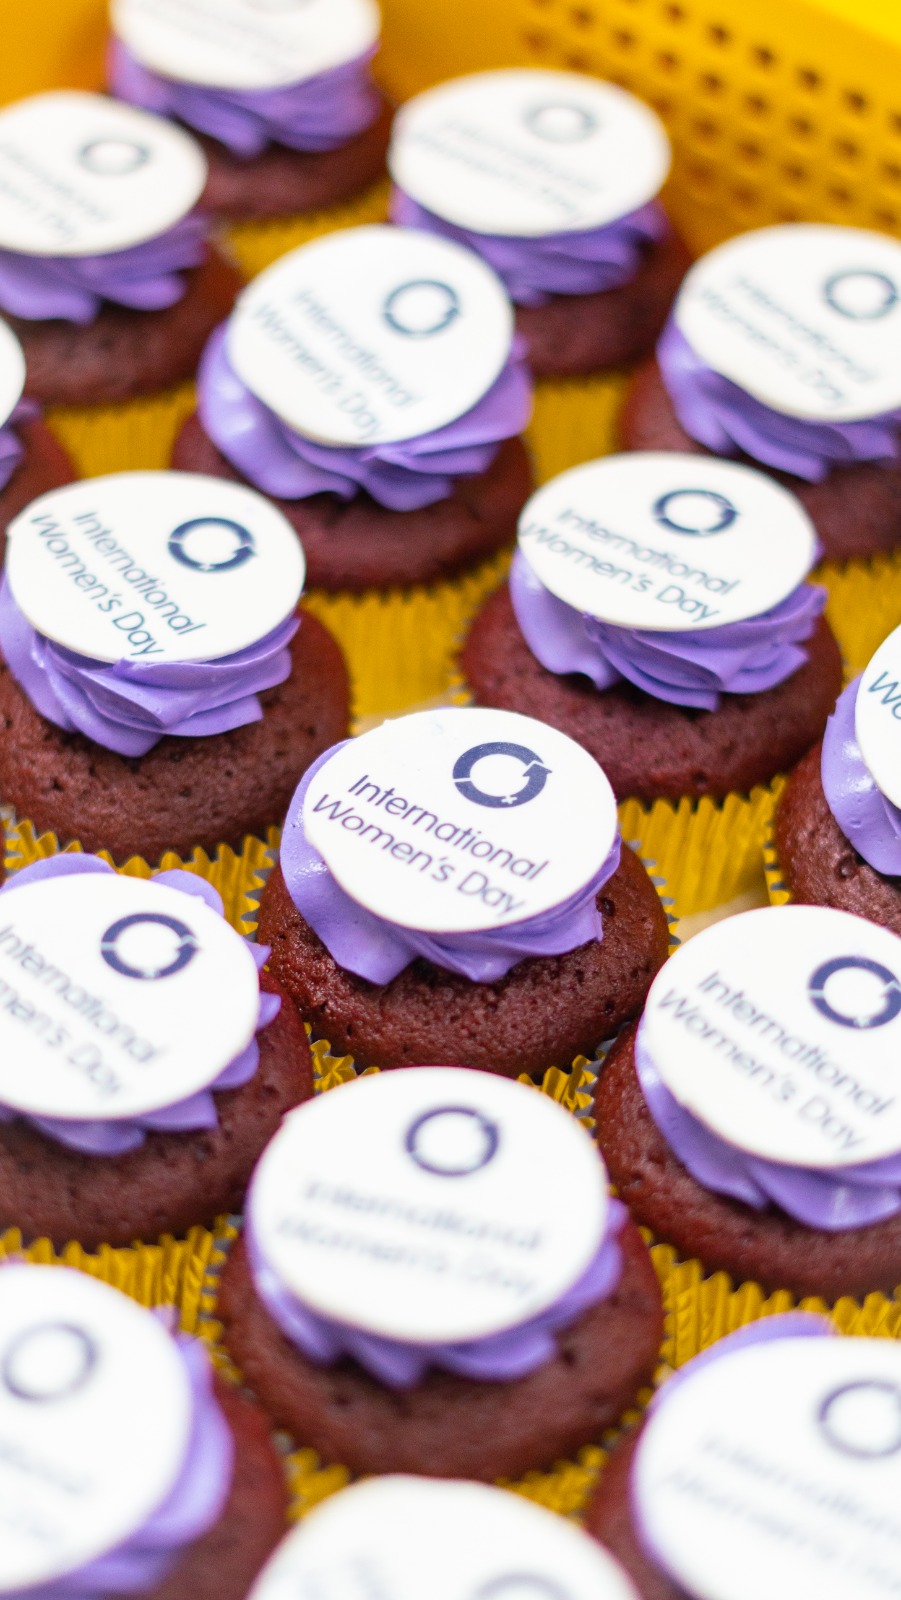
point(243, 547)
point(113, 158)
point(861, 295)
point(185, 949)
point(699, 512)
point(561, 123)
point(536, 774)
point(452, 1141)
point(50, 1362)
point(863, 1419)
point(890, 993)
point(421, 308)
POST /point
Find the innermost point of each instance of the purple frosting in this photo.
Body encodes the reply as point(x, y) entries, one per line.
point(499, 1358)
point(378, 950)
point(867, 818)
point(320, 113)
point(130, 706)
point(730, 422)
point(831, 1200)
point(404, 476)
point(12, 450)
point(534, 269)
point(146, 277)
point(198, 1111)
point(192, 1506)
point(695, 668)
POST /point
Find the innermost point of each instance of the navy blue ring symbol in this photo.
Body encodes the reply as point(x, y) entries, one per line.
point(724, 512)
point(837, 1435)
point(536, 774)
point(186, 948)
point(84, 1353)
point(490, 1139)
point(880, 308)
point(449, 308)
point(891, 1001)
point(244, 545)
point(522, 1586)
point(128, 157)
point(559, 123)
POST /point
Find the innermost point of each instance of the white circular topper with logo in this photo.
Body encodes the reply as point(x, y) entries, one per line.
point(81, 175)
point(461, 820)
point(404, 1538)
point(117, 996)
point(780, 1030)
point(774, 1470)
point(806, 317)
point(95, 1420)
point(246, 44)
point(528, 153)
point(877, 717)
point(151, 567)
point(12, 372)
point(667, 542)
point(407, 1205)
point(372, 335)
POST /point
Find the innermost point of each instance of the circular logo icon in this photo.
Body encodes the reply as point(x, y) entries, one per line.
point(561, 123)
point(699, 512)
point(452, 1141)
point(521, 1586)
point(113, 158)
point(536, 775)
point(861, 295)
point(863, 1419)
point(889, 993)
point(241, 540)
point(49, 1362)
point(186, 946)
point(421, 308)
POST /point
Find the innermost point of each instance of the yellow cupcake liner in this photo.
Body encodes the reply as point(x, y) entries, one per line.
point(864, 605)
point(257, 244)
point(137, 435)
point(778, 892)
point(574, 420)
point(709, 851)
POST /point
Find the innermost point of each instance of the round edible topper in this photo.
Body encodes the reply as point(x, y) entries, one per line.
point(117, 997)
point(461, 820)
point(148, 567)
point(780, 1030)
point(81, 175)
point(528, 153)
point(877, 717)
point(12, 372)
point(667, 542)
point(403, 1538)
point(805, 317)
point(95, 1419)
point(407, 1206)
point(245, 44)
point(774, 1470)
point(372, 335)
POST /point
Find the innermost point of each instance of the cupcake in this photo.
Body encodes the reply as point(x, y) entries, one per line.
point(129, 1467)
point(768, 1466)
point(106, 276)
point(158, 688)
point(410, 1534)
point(104, 976)
point(750, 1122)
point(553, 178)
point(31, 460)
point(784, 349)
point(453, 888)
point(657, 613)
point(838, 822)
point(412, 1294)
point(280, 97)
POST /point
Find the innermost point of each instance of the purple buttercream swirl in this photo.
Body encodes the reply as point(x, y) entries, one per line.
point(499, 1358)
point(404, 476)
point(867, 818)
point(378, 950)
point(146, 277)
point(12, 450)
point(729, 421)
point(832, 1200)
point(198, 1111)
point(320, 113)
point(695, 668)
point(533, 269)
point(193, 1505)
point(129, 706)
